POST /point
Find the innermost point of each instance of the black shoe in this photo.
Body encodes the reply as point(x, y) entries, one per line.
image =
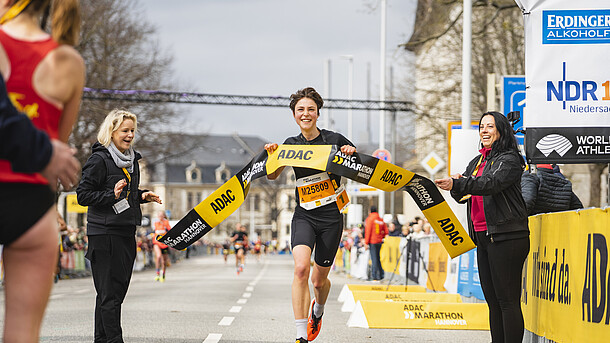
point(301, 340)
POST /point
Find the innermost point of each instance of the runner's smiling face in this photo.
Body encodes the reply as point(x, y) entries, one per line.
point(123, 136)
point(306, 114)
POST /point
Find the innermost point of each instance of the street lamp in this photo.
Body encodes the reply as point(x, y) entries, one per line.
point(350, 95)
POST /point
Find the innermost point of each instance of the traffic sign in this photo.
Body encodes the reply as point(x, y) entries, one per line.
point(513, 99)
point(383, 154)
point(432, 163)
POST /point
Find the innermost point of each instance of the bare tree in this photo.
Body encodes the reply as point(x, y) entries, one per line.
point(121, 52)
point(497, 44)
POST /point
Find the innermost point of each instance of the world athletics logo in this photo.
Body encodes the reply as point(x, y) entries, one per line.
point(576, 26)
point(554, 142)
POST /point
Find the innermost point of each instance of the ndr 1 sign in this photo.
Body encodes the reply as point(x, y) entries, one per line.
point(567, 115)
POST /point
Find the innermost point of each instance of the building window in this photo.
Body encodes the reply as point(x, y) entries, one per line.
point(189, 200)
point(223, 173)
point(193, 173)
point(257, 199)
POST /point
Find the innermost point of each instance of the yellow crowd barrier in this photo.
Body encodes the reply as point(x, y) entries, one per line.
point(566, 286)
point(353, 297)
point(348, 288)
point(422, 315)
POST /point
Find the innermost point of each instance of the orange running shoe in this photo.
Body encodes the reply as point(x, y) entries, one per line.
point(313, 324)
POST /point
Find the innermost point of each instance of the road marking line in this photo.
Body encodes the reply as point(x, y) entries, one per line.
point(56, 296)
point(242, 301)
point(213, 338)
point(249, 289)
point(235, 309)
point(246, 295)
point(226, 321)
point(81, 291)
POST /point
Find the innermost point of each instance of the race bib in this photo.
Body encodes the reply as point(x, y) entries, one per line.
point(317, 190)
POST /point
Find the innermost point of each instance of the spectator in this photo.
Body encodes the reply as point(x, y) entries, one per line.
point(405, 230)
point(548, 190)
point(497, 222)
point(392, 230)
point(418, 232)
point(110, 188)
point(428, 229)
point(375, 231)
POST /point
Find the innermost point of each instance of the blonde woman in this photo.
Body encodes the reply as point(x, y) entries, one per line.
point(109, 187)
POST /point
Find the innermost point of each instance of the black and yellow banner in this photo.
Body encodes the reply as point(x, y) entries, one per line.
point(358, 167)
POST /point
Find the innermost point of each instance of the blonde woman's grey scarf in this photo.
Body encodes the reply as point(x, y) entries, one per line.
point(122, 160)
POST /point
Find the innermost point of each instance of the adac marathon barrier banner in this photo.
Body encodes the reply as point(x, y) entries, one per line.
point(358, 167)
point(566, 281)
point(567, 112)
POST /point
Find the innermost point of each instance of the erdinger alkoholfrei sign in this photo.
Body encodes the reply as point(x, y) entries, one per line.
point(567, 115)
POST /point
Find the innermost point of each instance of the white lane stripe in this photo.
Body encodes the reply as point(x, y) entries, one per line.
point(56, 296)
point(252, 283)
point(246, 295)
point(226, 321)
point(242, 301)
point(235, 309)
point(213, 338)
point(249, 289)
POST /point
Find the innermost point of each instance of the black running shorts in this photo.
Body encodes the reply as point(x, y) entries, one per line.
point(21, 206)
point(323, 233)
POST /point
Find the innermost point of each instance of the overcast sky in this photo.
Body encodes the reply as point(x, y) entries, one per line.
point(273, 48)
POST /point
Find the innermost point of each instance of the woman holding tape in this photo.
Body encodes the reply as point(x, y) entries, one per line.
point(110, 188)
point(317, 220)
point(497, 222)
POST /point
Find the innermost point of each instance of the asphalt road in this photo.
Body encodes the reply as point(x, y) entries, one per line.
point(204, 300)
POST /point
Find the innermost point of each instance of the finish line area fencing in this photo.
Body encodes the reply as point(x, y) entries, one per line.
point(565, 290)
point(430, 300)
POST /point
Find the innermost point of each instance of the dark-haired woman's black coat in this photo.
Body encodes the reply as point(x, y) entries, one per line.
point(500, 186)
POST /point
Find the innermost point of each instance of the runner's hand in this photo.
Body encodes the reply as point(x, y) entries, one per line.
point(271, 147)
point(348, 149)
point(62, 166)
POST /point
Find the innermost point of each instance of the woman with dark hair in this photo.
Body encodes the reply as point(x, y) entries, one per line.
point(317, 221)
point(497, 222)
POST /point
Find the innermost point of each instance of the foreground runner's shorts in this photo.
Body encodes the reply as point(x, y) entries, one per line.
point(323, 233)
point(21, 206)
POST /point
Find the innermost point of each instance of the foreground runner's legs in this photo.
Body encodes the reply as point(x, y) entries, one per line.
point(29, 263)
point(300, 289)
point(321, 288)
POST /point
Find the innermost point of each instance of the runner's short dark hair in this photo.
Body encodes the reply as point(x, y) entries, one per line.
point(308, 92)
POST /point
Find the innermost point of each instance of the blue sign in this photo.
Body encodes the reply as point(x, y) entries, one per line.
point(576, 26)
point(468, 276)
point(513, 99)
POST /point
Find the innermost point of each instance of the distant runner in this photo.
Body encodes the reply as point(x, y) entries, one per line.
point(161, 250)
point(240, 242)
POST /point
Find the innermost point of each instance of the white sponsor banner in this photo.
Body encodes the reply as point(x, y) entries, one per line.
point(567, 115)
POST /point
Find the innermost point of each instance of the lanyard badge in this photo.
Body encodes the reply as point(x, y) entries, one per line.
point(123, 204)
